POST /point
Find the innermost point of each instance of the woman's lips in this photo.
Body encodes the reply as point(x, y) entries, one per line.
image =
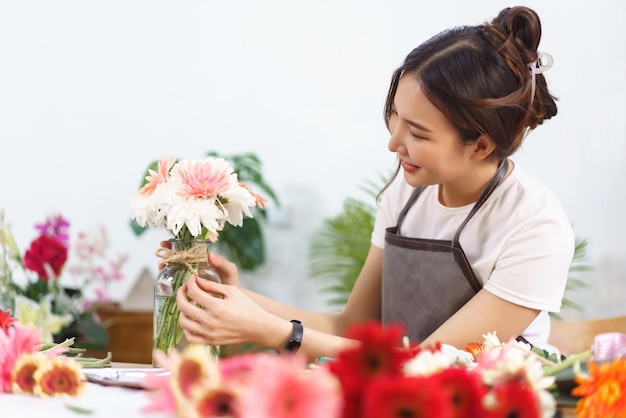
point(409, 168)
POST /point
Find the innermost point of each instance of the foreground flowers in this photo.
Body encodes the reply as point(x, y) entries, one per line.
point(379, 378)
point(25, 368)
point(247, 386)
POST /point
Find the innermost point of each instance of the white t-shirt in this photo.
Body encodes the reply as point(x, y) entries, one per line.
point(520, 243)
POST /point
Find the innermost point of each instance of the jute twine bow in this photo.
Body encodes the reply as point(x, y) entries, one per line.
point(196, 254)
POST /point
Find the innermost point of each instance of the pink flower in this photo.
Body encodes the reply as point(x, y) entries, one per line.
point(204, 178)
point(284, 389)
point(18, 339)
point(154, 178)
point(238, 370)
point(55, 227)
point(158, 386)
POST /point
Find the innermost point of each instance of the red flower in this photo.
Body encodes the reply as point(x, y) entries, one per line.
point(379, 354)
point(464, 390)
point(6, 320)
point(405, 396)
point(45, 251)
point(514, 399)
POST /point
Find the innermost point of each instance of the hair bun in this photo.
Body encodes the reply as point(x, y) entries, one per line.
point(515, 34)
point(520, 24)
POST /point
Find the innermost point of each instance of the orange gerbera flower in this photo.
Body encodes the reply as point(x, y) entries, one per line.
point(59, 376)
point(603, 391)
point(474, 349)
point(24, 372)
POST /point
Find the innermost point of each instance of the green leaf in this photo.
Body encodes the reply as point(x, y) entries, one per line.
point(137, 229)
point(243, 245)
point(338, 249)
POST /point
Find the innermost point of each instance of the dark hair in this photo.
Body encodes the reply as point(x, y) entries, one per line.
point(479, 78)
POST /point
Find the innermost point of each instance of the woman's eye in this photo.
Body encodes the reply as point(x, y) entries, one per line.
point(417, 136)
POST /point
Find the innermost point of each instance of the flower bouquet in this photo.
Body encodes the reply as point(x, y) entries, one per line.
point(31, 287)
point(193, 199)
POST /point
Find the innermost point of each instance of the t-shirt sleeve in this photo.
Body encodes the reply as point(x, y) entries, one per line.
point(391, 203)
point(533, 267)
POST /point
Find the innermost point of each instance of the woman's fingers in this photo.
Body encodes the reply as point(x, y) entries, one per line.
point(199, 289)
point(226, 270)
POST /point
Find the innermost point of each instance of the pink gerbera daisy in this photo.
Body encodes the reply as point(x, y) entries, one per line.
point(284, 389)
point(17, 340)
point(204, 178)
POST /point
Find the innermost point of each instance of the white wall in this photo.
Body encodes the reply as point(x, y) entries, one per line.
point(91, 91)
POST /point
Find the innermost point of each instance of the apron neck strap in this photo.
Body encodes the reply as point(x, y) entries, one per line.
point(491, 186)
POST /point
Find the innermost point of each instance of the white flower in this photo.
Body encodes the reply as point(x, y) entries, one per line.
point(198, 196)
point(513, 360)
point(428, 362)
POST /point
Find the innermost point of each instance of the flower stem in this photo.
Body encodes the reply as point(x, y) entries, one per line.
point(577, 358)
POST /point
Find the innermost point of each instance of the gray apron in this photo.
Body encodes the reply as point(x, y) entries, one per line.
point(425, 281)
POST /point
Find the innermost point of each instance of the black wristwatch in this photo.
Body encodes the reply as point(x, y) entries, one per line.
point(296, 337)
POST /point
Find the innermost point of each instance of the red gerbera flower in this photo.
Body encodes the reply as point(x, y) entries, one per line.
point(6, 320)
point(464, 390)
point(405, 397)
point(513, 399)
point(379, 354)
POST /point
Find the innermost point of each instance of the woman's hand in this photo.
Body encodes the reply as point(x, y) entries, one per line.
point(227, 270)
point(218, 314)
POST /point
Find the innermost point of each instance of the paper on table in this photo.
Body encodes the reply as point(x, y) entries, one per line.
point(125, 377)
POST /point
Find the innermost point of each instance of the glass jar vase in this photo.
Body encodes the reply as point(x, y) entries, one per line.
point(181, 260)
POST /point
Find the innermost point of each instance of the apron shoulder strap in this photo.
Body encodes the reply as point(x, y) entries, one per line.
point(491, 186)
point(418, 191)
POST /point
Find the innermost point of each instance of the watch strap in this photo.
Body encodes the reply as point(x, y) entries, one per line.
point(296, 336)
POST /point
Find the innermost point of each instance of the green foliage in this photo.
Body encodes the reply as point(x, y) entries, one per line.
point(574, 282)
point(339, 248)
point(244, 245)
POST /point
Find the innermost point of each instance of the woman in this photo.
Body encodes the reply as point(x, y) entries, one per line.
point(465, 242)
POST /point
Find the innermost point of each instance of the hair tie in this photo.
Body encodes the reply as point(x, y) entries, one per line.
point(542, 64)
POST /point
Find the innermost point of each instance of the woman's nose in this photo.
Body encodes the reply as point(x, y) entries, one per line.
point(394, 140)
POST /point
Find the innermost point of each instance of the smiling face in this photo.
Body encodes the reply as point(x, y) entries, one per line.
point(429, 148)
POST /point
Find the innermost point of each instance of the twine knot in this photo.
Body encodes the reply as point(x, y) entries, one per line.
point(187, 257)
